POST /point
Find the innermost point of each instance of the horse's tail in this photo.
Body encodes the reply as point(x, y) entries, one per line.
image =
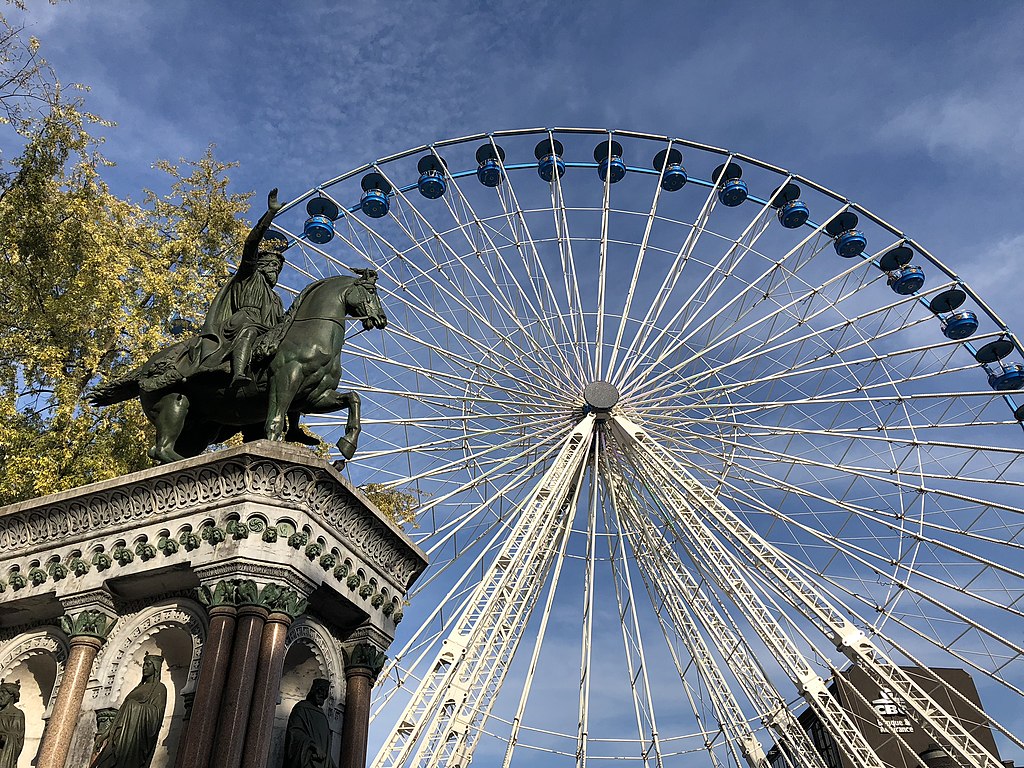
point(124, 388)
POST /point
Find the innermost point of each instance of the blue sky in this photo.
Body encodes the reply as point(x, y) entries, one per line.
point(913, 109)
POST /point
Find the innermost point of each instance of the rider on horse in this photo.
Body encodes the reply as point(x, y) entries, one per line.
point(247, 305)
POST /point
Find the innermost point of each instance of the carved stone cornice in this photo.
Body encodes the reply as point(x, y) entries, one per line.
point(274, 473)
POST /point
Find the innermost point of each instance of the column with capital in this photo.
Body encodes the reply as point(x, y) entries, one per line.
point(197, 745)
point(363, 663)
point(86, 631)
point(285, 605)
point(234, 714)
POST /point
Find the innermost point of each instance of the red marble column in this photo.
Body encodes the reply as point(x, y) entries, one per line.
point(266, 690)
point(237, 698)
point(362, 665)
point(195, 748)
point(56, 742)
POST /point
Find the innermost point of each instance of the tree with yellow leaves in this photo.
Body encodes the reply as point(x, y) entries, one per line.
point(89, 284)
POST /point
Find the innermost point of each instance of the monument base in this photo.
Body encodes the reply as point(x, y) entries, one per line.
point(250, 572)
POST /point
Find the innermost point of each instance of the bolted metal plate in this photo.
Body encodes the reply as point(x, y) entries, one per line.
point(600, 395)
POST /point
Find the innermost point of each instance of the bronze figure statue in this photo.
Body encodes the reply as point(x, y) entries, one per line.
point(253, 368)
point(308, 736)
point(130, 739)
point(12, 725)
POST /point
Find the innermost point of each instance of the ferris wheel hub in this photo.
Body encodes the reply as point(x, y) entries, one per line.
point(600, 396)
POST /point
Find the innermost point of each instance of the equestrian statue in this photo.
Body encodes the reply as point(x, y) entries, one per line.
point(254, 368)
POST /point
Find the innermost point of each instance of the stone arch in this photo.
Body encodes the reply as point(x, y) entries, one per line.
point(311, 652)
point(35, 659)
point(174, 629)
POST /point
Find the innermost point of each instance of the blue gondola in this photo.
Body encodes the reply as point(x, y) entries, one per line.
point(1010, 377)
point(490, 157)
point(376, 190)
point(846, 238)
point(907, 281)
point(792, 211)
point(549, 159)
point(794, 214)
point(960, 325)
point(673, 177)
point(431, 183)
point(319, 227)
point(609, 161)
point(732, 190)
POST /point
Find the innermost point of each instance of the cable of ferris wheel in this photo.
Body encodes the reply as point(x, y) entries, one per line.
point(505, 305)
point(664, 569)
point(745, 331)
point(671, 276)
point(743, 244)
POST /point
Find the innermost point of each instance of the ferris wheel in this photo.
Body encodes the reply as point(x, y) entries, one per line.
point(688, 436)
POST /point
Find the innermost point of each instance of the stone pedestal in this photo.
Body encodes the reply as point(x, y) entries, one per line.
point(209, 561)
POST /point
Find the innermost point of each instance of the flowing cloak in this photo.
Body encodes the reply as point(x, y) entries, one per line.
point(308, 734)
point(132, 738)
point(12, 735)
point(246, 299)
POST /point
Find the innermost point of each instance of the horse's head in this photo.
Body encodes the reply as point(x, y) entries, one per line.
point(362, 301)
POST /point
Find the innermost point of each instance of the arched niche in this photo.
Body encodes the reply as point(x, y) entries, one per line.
point(35, 660)
point(173, 629)
point(311, 653)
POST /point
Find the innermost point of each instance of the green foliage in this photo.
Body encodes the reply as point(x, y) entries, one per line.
point(88, 282)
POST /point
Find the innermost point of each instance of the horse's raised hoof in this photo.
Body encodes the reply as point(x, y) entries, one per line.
point(339, 464)
point(347, 447)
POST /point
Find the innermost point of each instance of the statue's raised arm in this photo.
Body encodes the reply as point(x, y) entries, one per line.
point(255, 236)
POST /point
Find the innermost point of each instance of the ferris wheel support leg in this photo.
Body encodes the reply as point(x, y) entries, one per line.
point(674, 583)
point(440, 723)
point(693, 503)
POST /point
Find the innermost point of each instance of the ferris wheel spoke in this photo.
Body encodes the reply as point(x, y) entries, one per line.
point(635, 281)
point(872, 562)
point(724, 269)
point(533, 263)
point(632, 639)
point(490, 629)
point(456, 296)
point(668, 283)
point(843, 370)
point(878, 475)
point(834, 348)
point(487, 541)
point(458, 377)
point(922, 669)
point(787, 310)
point(720, 567)
point(536, 309)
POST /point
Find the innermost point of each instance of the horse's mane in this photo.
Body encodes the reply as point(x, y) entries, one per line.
point(309, 289)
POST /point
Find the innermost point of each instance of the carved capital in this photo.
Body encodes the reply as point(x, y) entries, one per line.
point(283, 600)
point(364, 658)
point(225, 592)
point(88, 623)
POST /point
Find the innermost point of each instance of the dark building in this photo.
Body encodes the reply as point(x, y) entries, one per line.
point(882, 717)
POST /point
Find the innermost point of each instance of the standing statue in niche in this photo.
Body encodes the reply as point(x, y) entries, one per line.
point(130, 739)
point(307, 741)
point(12, 725)
point(254, 368)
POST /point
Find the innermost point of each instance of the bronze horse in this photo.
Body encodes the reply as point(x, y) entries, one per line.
point(192, 404)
